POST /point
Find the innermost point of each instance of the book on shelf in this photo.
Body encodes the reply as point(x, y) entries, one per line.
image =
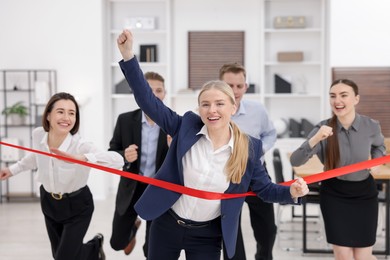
point(148, 53)
point(282, 84)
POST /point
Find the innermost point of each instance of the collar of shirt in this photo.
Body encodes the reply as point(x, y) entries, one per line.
point(63, 147)
point(204, 132)
point(354, 126)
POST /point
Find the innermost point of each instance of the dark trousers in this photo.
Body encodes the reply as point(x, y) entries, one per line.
point(67, 221)
point(262, 219)
point(123, 228)
point(168, 239)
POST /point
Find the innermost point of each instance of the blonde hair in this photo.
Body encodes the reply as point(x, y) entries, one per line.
point(236, 164)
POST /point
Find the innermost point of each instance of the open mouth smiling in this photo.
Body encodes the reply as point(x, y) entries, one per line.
point(213, 118)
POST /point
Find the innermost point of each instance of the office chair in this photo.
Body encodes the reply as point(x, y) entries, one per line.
point(279, 178)
point(312, 197)
point(278, 167)
point(278, 170)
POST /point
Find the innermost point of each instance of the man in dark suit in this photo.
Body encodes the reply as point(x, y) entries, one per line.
point(143, 145)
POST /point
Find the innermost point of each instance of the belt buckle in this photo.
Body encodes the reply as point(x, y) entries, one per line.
point(56, 196)
point(181, 222)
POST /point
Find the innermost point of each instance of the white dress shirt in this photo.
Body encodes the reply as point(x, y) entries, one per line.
point(203, 169)
point(59, 176)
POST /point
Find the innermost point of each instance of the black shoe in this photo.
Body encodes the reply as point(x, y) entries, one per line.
point(100, 238)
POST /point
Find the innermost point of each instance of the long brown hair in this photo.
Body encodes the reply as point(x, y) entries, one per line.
point(332, 159)
point(236, 165)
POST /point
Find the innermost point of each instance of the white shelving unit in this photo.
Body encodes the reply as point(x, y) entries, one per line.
point(309, 77)
point(32, 87)
point(117, 18)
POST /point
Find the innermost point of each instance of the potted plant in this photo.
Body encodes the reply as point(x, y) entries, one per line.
point(17, 112)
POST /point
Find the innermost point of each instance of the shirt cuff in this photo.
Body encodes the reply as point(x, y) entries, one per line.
point(14, 169)
point(90, 157)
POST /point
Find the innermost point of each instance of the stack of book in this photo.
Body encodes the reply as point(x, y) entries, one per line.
point(148, 53)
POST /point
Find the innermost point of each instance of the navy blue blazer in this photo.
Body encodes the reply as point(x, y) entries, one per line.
point(156, 201)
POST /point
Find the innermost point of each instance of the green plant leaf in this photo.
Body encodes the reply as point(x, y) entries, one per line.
point(17, 108)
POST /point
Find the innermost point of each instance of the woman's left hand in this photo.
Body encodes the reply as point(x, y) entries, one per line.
point(299, 188)
point(79, 157)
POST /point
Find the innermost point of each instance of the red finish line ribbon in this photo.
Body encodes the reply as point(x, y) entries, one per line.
point(207, 194)
point(159, 183)
point(343, 170)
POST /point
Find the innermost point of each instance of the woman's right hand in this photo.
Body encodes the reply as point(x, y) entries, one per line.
point(5, 174)
point(323, 133)
point(125, 44)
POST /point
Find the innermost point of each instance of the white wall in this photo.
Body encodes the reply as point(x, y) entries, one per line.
point(67, 35)
point(360, 34)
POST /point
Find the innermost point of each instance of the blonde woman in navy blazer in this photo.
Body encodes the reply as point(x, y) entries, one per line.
point(233, 167)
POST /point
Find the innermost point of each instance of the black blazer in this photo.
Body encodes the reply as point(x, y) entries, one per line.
point(127, 131)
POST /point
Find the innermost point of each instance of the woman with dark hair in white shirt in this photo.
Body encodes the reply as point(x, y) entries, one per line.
point(66, 200)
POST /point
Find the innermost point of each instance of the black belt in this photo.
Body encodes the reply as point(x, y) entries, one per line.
point(188, 223)
point(60, 196)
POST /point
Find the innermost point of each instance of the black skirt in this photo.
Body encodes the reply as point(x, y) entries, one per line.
point(350, 212)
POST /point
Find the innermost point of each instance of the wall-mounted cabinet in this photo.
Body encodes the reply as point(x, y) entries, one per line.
point(149, 21)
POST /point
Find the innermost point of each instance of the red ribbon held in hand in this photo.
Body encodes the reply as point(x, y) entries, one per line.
point(207, 194)
point(159, 183)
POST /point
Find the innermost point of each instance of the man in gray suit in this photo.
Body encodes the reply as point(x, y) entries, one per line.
point(143, 145)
